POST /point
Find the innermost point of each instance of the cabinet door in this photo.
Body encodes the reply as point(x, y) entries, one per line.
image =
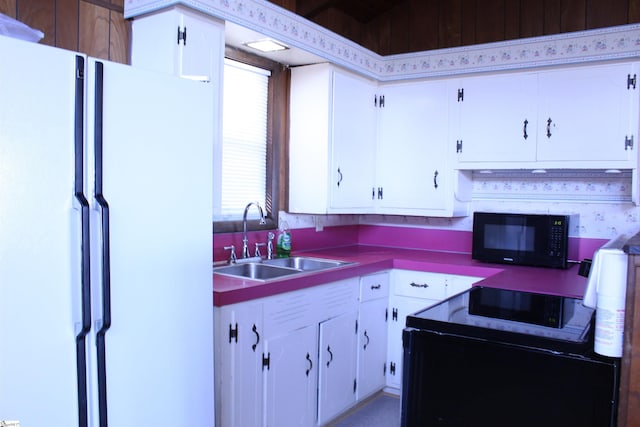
point(353, 143)
point(337, 366)
point(412, 169)
point(290, 377)
point(159, 42)
point(201, 50)
point(372, 347)
point(238, 362)
point(586, 113)
point(494, 118)
point(399, 309)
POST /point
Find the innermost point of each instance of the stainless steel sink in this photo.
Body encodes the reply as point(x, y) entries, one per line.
point(255, 271)
point(304, 263)
point(271, 269)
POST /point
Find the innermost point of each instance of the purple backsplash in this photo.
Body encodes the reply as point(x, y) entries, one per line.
point(305, 239)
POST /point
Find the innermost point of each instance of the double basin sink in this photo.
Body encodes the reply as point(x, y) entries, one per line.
point(277, 268)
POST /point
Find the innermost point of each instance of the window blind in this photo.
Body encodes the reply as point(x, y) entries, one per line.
point(244, 134)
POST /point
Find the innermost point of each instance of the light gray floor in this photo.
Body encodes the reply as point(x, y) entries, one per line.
point(382, 410)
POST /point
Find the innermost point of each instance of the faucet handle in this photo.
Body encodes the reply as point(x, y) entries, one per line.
point(257, 253)
point(270, 237)
point(232, 257)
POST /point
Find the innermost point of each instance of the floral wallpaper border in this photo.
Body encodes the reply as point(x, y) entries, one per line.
point(621, 42)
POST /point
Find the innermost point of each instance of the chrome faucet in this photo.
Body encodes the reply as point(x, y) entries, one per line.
point(245, 241)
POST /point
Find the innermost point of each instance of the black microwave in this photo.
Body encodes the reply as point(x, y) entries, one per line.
point(522, 239)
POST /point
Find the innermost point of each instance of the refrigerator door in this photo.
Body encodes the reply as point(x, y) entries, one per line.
point(156, 178)
point(40, 235)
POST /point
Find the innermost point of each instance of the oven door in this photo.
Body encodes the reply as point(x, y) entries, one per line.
point(453, 380)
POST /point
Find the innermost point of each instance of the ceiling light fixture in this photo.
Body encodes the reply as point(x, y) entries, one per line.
point(267, 45)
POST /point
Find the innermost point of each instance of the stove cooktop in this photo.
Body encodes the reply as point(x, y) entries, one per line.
point(512, 317)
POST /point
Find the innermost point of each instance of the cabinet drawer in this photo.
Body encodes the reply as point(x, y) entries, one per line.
point(374, 286)
point(457, 284)
point(419, 284)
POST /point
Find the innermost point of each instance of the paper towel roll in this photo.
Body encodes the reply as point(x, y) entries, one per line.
point(606, 292)
point(609, 332)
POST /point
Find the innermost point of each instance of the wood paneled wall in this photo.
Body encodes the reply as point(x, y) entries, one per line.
point(94, 27)
point(418, 25)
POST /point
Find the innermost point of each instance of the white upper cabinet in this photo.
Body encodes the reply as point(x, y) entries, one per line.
point(414, 175)
point(493, 118)
point(589, 114)
point(332, 141)
point(573, 117)
point(353, 149)
point(179, 41)
point(359, 148)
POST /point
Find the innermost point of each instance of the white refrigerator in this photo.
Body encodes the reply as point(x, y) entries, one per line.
point(106, 307)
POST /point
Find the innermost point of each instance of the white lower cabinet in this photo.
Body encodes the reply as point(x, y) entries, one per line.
point(337, 366)
point(410, 292)
point(238, 364)
point(302, 358)
point(290, 378)
point(372, 334)
point(372, 347)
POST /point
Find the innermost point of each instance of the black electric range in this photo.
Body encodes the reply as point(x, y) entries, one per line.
point(502, 358)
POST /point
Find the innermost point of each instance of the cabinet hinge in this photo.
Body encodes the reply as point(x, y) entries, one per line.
point(392, 368)
point(233, 333)
point(182, 35)
point(628, 143)
point(459, 146)
point(631, 81)
point(461, 95)
point(266, 361)
point(394, 314)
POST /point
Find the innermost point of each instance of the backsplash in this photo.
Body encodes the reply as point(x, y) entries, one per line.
point(601, 201)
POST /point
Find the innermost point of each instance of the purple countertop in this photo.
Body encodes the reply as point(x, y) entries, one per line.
point(371, 259)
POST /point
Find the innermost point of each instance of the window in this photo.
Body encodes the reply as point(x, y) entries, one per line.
point(255, 93)
point(244, 138)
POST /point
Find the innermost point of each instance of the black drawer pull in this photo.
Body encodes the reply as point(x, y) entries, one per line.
point(419, 285)
point(376, 287)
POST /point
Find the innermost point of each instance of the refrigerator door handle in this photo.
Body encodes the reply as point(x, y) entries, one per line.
point(81, 336)
point(106, 262)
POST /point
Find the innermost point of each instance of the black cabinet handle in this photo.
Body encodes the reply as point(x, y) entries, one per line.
point(549, 121)
point(524, 129)
point(255, 331)
point(340, 178)
point(419, 285)
point(374, 287)
point(310, 364)
point(367, 337)
point(330, 356)
point(435, 179)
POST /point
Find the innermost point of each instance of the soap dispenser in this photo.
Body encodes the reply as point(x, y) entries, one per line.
point(283, 245)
